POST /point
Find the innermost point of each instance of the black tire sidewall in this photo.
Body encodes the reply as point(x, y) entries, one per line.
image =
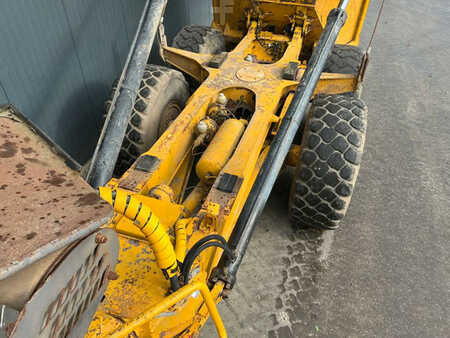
point(173, 89)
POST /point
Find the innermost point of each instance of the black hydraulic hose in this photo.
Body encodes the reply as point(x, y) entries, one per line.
point(280, 145)
point(108, 147)
point(174, 283)
point(191, 255)
point(207, 239)
point(195, 252)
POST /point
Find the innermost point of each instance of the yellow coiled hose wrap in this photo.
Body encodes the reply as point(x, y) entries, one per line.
point(131, 207)
point(181, 239)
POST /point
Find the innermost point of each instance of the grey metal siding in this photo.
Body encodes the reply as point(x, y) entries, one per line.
point(3, 97)
point(58, 59)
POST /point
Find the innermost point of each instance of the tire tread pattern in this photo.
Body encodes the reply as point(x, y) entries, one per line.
point(332, 148)
point(344, 59)
point(200, 39)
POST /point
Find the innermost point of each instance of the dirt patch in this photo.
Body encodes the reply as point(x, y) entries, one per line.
point(20, 169)
point(54, 179)
point(27, 151)
point(88, 199)
point(30, 236)
point(296, 307)
point(8, 149)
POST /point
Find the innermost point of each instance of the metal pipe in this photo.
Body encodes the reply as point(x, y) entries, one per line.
point(108, 147)
point(170, 301)
point(194, 199)
point(280, 146)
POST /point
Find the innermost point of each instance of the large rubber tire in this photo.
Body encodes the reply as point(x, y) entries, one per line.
point(162, 96)
point(332, 147)
point(344, 59)
point(200, 39)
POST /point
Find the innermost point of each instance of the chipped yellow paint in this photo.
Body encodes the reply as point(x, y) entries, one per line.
point(213, 209)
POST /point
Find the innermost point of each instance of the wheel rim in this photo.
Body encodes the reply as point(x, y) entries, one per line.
point(170, 114)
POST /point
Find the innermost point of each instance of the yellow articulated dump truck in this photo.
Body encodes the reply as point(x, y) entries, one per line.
point(152, 237)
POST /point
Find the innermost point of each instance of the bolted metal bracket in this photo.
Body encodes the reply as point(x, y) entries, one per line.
point(217, 60)
point(290, 72)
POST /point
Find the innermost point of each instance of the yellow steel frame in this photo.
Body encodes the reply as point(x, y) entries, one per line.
point(228, 16)
point(138, 302)
point(172, 300)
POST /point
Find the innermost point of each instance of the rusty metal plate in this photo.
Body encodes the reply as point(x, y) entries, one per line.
point(44, 205)
point(66, 302)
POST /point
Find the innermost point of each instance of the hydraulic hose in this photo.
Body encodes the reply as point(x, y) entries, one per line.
point(243, 231)
point(197, 250)
point(180, 239)
point(131, 207)
point(207, 239)
point(193, 252)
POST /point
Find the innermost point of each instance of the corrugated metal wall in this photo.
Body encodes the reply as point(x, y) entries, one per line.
point(58, 59)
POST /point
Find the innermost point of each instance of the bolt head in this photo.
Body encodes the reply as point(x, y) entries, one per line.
point(9, 329)
point(100, 238)
point(112, 275)
point(202, 127)
point(226, 293)
point(222, 99)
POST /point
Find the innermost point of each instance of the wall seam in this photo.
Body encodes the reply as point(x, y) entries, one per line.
point(76, 53)
point(4, 91)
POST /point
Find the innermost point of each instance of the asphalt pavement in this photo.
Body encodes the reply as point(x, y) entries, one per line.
point(386, 272)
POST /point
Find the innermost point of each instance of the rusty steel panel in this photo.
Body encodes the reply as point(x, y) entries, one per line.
point(63, 306)
point(44, 205)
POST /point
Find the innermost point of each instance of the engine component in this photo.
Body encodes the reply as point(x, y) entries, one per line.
point(206, 126)
point(193, 200)
point(218, 111)
point(222, 99)
point(219, 150)
point(205, 129)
